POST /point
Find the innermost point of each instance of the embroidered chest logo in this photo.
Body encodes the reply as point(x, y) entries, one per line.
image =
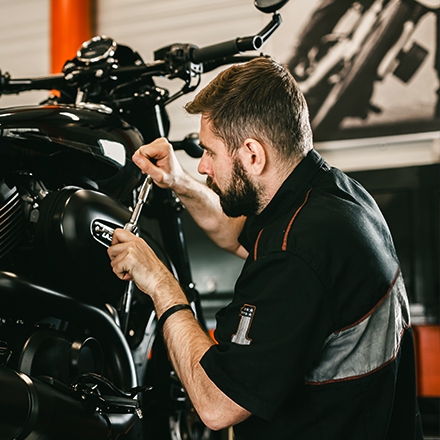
point(246, 315)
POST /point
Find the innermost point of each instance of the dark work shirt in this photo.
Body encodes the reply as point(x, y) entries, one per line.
point(317, 342)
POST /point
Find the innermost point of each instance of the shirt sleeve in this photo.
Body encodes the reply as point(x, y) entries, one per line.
point(270, 334)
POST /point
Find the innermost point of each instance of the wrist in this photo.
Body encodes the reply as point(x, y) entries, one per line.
point(167, 293)
point(185, 185)
point(171, 311)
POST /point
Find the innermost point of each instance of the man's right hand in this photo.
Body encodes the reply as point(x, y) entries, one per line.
point(159, 161)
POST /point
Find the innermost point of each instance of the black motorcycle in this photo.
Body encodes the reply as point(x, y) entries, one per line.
point(79, 354)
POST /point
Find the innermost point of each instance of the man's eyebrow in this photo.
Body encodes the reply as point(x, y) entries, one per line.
point(201, 145)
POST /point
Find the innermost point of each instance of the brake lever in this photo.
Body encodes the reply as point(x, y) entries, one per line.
point(86, 388)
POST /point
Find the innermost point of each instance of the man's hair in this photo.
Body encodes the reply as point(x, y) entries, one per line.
point(259, 99)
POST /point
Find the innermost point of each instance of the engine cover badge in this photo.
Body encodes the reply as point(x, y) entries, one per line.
point(102, 231)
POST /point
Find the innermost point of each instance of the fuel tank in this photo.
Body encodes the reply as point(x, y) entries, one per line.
point(71, 145)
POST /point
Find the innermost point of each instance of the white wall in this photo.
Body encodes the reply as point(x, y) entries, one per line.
point(24, 43)
point(150, 24)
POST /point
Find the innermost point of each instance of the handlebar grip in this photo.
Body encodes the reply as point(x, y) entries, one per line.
point(10, 85)
point(220, 50)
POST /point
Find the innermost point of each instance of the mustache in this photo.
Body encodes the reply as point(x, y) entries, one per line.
point(211, 185)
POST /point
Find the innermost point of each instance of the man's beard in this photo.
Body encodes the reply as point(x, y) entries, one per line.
point(241, 197)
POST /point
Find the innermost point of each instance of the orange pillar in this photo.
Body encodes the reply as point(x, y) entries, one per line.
point(427, 343)
point(71, 25)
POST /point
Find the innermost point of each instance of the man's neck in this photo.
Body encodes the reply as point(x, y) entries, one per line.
point(274, 178)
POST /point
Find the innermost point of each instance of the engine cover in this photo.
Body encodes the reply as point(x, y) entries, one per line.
point(71, 254)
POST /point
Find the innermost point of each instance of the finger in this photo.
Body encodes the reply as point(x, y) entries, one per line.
point(118, 264)
point(150, 154)
point(142, 162)
point(113, 251)
point(157, 149)
point(127, 277)
point(122, 236)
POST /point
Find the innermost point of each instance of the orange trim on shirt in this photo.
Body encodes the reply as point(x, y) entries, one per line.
point(289, 226)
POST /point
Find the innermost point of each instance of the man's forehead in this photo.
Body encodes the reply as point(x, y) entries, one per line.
point(205, 123)
point(207, 136)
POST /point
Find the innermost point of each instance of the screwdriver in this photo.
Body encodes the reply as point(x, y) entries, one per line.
point(131, 226)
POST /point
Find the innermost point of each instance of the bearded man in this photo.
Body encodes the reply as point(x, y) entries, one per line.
point(316, 342)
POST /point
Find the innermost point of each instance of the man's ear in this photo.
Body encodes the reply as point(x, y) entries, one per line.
point(253, 156)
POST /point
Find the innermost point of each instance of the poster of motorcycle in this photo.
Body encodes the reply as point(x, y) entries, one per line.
point(367, 68)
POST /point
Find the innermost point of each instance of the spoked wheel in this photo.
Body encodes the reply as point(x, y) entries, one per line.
point(186, 425)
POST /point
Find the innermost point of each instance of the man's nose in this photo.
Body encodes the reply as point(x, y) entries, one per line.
point(203, 167)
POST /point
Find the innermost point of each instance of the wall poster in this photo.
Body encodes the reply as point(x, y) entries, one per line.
point(367, 68)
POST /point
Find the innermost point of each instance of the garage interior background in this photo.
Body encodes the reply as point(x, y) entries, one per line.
point(401, 168)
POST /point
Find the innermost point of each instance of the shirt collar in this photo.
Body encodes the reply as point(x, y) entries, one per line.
point(298, 181)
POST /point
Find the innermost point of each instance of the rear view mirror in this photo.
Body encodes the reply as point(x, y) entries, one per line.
point(269, 6)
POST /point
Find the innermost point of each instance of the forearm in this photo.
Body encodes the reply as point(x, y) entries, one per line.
point(187, 343)
point(204, 207)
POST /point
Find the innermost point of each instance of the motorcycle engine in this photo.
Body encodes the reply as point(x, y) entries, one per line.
point(59, 238)
point(51, 237)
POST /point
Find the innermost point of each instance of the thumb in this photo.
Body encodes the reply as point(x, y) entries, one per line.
point(141, 161)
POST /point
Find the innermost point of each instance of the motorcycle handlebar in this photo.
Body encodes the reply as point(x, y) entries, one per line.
point(225, 49)
point(9, 85)
point(168, 60)
point(232, 47)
